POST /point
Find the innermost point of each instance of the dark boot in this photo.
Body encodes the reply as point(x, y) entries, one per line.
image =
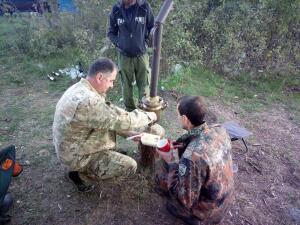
point(4, 219)
point(4, 207)
point(6, 204)
point(81, 187)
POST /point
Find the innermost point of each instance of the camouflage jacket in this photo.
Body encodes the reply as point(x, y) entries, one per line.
point(84, 123)
point(203, 180)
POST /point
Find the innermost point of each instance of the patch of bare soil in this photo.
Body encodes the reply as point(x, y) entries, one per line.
point(267, 182)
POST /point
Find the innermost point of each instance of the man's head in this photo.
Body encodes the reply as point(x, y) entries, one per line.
point(128, 3)
point(102, 74)
point(191, 111)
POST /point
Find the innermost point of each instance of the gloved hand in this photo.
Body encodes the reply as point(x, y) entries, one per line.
point(170, 156)
point(152, 117)
point(17, 169)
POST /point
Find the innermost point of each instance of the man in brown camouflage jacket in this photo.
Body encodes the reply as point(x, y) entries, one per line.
point(85, 128)
point(199, 184)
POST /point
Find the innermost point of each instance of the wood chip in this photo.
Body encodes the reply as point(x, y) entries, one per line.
point(254, 166)
point(256, 144)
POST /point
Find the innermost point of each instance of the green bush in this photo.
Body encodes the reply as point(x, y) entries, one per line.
point(249, 36)
point(91, 28)
point(47, 39)
point(233, 37)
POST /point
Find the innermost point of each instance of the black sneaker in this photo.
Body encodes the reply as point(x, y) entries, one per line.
point(81, 187)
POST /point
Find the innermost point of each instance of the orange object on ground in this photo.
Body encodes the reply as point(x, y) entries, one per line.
point(17, 169)
point(6, 164)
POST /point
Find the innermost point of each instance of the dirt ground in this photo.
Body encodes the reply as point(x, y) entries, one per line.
point(267, 182)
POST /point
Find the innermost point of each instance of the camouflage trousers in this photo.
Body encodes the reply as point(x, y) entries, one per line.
point(108, 164)
point(174, 206)
point(105, 165)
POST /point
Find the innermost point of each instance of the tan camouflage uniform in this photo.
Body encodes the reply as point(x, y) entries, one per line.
point(84, 133)
point(201, 185)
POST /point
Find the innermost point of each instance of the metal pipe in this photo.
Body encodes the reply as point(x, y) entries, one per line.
point(164, 11)
point(154, 103)
point(160, 19)
point(156, 59)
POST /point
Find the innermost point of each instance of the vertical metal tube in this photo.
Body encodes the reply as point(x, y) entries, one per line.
point(164, 11)
point(154, 103)
point(156, 59)
point(159, 21)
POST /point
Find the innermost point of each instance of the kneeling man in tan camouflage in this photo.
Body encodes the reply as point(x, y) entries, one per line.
point(85, 128)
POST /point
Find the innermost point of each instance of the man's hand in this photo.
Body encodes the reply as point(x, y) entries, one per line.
point(151, 37)
point(152, 31)
point(169, 157)
point(177, 145)
point(134, 136)
point(152, 116)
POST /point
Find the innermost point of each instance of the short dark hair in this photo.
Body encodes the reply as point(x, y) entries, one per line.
point(194, 108)
point(102, 65)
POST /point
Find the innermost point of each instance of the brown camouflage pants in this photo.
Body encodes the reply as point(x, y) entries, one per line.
point(106, 165)
point(173, 204)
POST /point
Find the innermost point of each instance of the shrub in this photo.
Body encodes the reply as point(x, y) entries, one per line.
point(231, 36)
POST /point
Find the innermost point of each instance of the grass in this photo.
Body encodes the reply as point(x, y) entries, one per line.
point(23, 80)
point(19, 71)
point(28, 98)
point(251, 94)
point(8, 33)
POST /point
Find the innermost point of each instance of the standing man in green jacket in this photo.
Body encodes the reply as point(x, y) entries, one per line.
point(130, 24)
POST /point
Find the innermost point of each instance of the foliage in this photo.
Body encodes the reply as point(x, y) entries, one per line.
point(232, 37)
point(47, 40)
point(52, 33)
point(91, 29)
point(248, 36)
point(250, 94)
point(34, 35)
point(178, 44)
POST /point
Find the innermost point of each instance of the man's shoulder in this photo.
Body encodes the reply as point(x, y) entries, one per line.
point(70, 92)
point(79, 92)
point(216, 143)
point(219, 130)
point(144, 4)
point(213, 131)
point(209, 138)
point(116, 8)
point(77, 89)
